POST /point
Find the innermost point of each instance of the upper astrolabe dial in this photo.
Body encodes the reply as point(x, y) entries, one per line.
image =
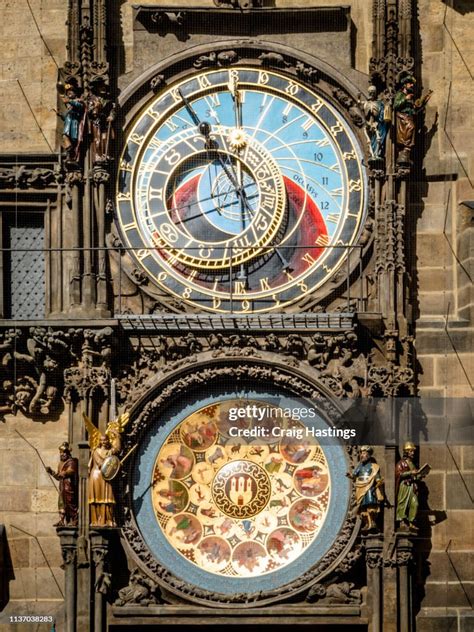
point(240, 190)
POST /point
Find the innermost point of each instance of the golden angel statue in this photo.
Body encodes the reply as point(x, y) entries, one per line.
point(103, 466)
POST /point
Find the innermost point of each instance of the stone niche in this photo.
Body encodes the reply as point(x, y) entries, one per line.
point(160, 32)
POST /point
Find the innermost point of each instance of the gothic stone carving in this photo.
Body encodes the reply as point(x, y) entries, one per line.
point(23, 177)
point(141, 591)
point(343, 593)
point(223, 58)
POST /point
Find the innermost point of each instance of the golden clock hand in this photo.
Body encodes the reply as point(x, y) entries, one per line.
point(238, 123)
point(233, 89)
point(205, 129)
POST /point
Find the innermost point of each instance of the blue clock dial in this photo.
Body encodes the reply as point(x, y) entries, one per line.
point(240, 190)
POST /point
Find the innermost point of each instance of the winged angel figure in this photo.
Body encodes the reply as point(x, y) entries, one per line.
point(103, 446)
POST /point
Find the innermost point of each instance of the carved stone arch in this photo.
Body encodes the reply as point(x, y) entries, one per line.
point(206, 370)
point(286, 59)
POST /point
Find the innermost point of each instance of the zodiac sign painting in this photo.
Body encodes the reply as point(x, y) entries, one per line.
point(238, 506)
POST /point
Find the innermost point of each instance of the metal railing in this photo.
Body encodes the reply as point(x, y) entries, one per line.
point(346, 284)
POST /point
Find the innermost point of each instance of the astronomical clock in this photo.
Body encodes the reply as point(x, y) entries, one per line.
point(222, 250)
point(240, 190)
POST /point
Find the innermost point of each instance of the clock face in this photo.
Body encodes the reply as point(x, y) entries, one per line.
point(240, 190)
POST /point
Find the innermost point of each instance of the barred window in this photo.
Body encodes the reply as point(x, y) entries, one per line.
point(24, 265)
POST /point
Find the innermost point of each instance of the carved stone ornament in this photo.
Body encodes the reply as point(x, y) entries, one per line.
point(166, 19)
point(69, 555)
point(157, 82)
point(342, 593)
point(223, 58)
point(141, 591)
point(374, 559)
point(23, 177)
point(206, 370)
point(238, 4)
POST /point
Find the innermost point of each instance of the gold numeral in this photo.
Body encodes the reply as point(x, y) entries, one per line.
point(156, 193)
point(335, 129)
point(141, 254)
point(129, 226)
point(292, 88)
point(355, 185)
point(203, 82)
point(125, 166)
point(323, 240)
point(349, 155)
point(239, 287)
point(155, 142)
point(317, 106)
point(136, 138)
point(170, 125)
point(322, 142)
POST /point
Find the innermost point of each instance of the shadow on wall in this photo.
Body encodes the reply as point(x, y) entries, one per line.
point(6, 568)
point(460, 6)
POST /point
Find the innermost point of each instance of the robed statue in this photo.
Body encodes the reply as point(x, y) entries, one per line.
point(406, 110)
point(377, 116)
point(407, 477)
point(369, 489)
point(103, 466)
point(68, 477)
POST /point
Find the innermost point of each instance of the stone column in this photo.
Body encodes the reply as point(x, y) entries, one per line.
point(84, 563)
point(390, 598)
point(374, 562)
point(74, 183)
point(404, 556)
point(100, 178)
point(68, 540)
point(99, 550)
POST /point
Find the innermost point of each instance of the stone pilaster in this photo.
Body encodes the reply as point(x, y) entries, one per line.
point(99, 542)
point(374, 562)
point(68, 539)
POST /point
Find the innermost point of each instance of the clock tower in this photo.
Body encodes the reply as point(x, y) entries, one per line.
point(228, 298)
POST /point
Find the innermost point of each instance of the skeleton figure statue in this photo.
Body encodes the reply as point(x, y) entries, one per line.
point(101, 493)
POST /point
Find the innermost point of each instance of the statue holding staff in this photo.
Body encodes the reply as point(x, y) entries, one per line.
point(67, 475)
